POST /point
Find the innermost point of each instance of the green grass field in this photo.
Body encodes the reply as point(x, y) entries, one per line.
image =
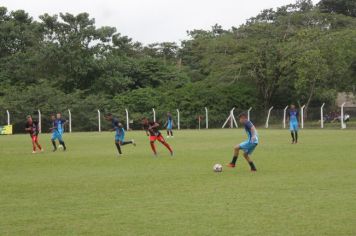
point(304, 189)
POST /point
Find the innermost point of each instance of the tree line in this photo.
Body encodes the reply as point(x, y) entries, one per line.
point(300, 53)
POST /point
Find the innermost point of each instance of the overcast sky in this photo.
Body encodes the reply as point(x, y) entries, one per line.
point(151, 21)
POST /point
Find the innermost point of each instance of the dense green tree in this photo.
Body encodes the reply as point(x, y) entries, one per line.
point(345, 7)
point(296, 53)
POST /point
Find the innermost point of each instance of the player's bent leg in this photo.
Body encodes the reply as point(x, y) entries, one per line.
point(166, 145)
point(33, 147)
point(232, 164)
point(117, 144)
point(39, 145)
point(250, 162)
point(122, 143)
point(61, 142)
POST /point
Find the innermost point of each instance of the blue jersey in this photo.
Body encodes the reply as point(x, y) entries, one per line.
point(58, 125)
point(116, 126)
point(248, 129)
point(293, 115)
point(169, 122)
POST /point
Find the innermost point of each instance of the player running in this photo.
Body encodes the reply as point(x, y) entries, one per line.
point(119, 133)
point(169, 125)
point(32, 127)
point(151, 129)
point(293, 117)
point(57, 131)
point(248, 146)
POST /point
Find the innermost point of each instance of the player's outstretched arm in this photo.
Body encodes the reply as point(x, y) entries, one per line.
point(155, 125)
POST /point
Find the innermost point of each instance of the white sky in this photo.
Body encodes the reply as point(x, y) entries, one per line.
point(151, 21)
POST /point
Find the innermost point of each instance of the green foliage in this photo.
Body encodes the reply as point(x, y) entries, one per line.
point(346, 7)
point(295, 53)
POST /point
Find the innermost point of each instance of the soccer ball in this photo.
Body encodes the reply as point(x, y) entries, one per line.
point(60, 147)
point(217, 168)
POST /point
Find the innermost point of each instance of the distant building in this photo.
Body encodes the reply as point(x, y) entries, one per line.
point(348, 98)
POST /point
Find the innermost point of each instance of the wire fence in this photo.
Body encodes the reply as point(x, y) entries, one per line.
point(88, 120)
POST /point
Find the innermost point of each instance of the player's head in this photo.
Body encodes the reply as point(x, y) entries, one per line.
point(108, 116)
point(169, 114)
point(58, 115)
point(292, 106)
point(243, 118)
point(29, 118)
point(53, 117)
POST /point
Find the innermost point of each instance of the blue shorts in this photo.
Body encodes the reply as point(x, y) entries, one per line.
point(57, 135)
point(169, 127)
point(293, 126)
point(248, 147)
point(119, 138)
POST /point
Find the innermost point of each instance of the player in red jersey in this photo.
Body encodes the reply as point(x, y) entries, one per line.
point(33, 128)
point(152, 131)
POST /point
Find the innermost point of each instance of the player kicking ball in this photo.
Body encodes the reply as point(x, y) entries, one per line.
point(119, 133)
point(57, 131)
point(33, 128)
point(248, 146)
point(152, 131)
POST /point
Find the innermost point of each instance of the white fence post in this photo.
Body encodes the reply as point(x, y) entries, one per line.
point(8, 117)
point(284, 117)
point(154, 114)
point(302, 116)
point(178, 119)
point(99, 120)
point(268, 115)
point(343, 125)
point(70, 121)
point(322, 116)
point(231, 118)
point(206, 118)
point(39, 121)
point(127, 120)
point(248, 113)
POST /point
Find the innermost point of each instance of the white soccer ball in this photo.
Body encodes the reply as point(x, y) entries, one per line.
point(60, 147)
point(217, 168)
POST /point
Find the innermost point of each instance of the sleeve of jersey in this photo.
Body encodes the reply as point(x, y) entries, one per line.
point(249, 125)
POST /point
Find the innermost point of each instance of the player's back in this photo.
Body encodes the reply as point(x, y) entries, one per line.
point(248, 128)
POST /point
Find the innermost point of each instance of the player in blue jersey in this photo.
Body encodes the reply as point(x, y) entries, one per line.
point(57, 128)
point(248, 146)
point(293, 118)
point(169, 125)
point(119, 132)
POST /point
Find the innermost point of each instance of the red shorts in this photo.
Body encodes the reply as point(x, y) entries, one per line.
point(34, 138)
point(159, 138)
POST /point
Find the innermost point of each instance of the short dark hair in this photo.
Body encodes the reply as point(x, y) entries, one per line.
point(108, 114)
point(28, 116)
point(243, 114)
